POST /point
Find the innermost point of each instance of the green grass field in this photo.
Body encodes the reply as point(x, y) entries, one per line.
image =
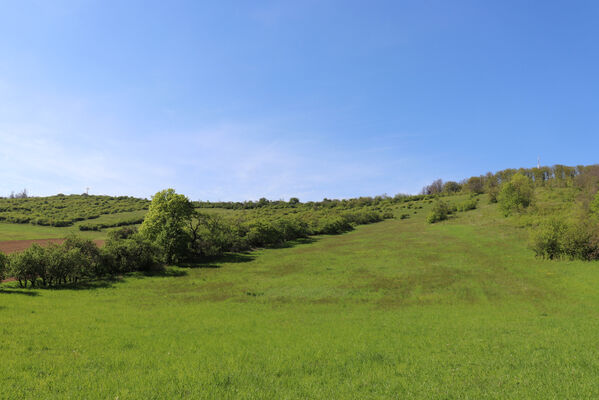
point(398, 309)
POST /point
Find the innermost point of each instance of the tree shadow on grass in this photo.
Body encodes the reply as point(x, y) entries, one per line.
point(18, 291)
point(162, 271)
point(214, 262)
point(293, 243)
point(85, 285)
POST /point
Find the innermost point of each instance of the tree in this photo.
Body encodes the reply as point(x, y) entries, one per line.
point(3, 265)
point(475, 185)
point(452, 187)
point(434, 188)
point(516, 195)
point(165, 224)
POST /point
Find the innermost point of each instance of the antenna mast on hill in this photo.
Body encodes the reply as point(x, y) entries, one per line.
point(86, 190)
point(539, 162)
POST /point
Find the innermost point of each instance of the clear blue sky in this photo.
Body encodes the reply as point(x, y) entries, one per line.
point(234, 100)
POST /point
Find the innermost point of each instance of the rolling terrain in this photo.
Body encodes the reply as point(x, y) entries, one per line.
point(396, 309)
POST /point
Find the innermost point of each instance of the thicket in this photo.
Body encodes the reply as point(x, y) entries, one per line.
point(440, 212)
point(571, 233)
point(442, 209)
point(516, 194)
point(80, 259)
point(63, 210)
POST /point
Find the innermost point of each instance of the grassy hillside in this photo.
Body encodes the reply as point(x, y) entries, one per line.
point(61, 210)
point(397, 309)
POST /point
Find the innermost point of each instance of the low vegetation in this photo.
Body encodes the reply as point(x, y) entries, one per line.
point(61, 210)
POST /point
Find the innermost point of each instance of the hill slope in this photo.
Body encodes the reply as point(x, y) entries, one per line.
point(401, 308)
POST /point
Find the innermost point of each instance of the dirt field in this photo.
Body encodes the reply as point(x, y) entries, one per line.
point(12, 246)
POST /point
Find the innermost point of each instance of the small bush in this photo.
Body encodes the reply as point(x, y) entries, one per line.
point(440, 212)
point(468, 205)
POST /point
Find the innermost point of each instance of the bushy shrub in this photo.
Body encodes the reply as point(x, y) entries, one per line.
point(516, 195)
point(441, 210)
point(467, 205)
point(129, 252)
point(333, 225)
point(493, 194)
point(3, 265)
point(557, 239)
point(547, 239)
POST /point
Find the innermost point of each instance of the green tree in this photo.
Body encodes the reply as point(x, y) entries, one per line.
point(475, 184)
point(3, 265)
point(165, 224)
point(516, 195)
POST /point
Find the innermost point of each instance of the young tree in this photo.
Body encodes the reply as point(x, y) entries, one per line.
point(165, 224)
point(516, 194)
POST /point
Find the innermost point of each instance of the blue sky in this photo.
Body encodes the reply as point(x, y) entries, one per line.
point(235, 100)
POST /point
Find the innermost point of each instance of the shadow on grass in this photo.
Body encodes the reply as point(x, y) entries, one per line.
point(164, 271)
point(102, 283)
point(85, 285)
point(213, 262)
point(296, 242)
point(18, 291)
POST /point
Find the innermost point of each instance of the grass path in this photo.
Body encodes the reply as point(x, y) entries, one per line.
point(398, 309)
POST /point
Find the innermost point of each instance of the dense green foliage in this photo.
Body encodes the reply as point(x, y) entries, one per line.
point(3, 265)
point(441, 210)
point(165, 224)
point(516, 195)
point(63, 210)
point(80, 259)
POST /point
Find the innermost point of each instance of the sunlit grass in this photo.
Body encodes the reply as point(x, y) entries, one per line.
point(398, 309)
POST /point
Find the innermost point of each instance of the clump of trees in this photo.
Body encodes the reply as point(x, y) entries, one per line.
point(183, 232)
point(556, 239)
point(173, 231)
point(80, 259)
point(516, 195)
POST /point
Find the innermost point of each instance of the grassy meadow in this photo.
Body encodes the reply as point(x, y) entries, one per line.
point(398, 309)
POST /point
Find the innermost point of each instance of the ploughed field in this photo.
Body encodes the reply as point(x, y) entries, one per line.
point(396, 309)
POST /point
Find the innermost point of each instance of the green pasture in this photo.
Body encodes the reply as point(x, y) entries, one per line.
point(398, 309)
